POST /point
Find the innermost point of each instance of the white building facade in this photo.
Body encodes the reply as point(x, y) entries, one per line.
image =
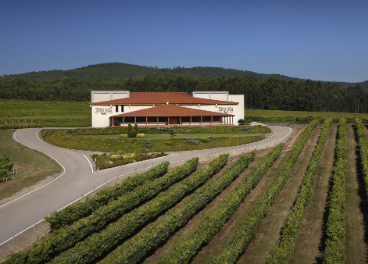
point(118, 108)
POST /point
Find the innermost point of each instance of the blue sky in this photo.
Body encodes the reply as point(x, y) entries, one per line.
point(318, 40)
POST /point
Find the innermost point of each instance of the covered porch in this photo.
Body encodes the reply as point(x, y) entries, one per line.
point(172, 115)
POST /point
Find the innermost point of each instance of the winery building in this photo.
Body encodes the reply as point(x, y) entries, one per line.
point(119, 108)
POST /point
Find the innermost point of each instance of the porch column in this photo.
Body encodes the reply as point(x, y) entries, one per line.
point(211, 120)
point(146, 120)
point(222, 119)
point(232, 120)
point(123, 120)
point(157, 120)
point(190, 121)
point(112, 121)
point(180, 121)
point(201, 119)
point(168, 120)
point(135, 120)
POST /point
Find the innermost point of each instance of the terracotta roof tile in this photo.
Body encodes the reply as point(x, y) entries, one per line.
point(170, 111)
point(141, 98)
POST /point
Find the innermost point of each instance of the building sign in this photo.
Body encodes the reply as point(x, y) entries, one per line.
point(225, 109)
point(103, 111)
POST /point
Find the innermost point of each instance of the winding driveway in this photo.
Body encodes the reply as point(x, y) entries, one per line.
point(79, 178)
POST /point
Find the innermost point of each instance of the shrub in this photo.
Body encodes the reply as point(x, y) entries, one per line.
point(129, 129)
point(245, 128)
point(136, 128)
point(133, 133)
point(140, 135)
point(124, 135)
point(147, 144)
point(192, 141)
point(205, 140)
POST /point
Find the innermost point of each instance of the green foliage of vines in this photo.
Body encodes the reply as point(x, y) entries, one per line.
point(363, 151)
point(74, 212)
point(159, 231)
point(5, 167)
point(101, 243)
point(245, 230)
point(214, 220)
point(67, 236)
point(335, 231)
point(291, 227)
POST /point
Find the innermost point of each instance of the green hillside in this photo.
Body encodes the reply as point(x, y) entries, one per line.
point(123, 70)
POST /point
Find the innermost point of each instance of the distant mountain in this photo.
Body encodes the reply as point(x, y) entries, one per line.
point(123, 70)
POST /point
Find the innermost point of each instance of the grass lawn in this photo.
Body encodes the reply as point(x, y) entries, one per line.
point(167, 136)
point(32, 165)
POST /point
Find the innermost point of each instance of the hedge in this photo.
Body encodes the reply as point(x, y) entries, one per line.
point(67, 236)
point(214, 220)
point(245, 230)
point(101, 243)
point(291, 227)
point(74, 212)
point(335, 230)
point(158, 232)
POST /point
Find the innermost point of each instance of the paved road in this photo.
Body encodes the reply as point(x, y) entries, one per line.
point(80, 178)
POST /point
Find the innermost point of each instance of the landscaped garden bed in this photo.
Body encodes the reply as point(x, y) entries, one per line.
point(150, 143)
point(106, 161)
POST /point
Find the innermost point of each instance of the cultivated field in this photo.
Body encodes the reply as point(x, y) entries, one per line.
point(300, 203)
point(78, 113)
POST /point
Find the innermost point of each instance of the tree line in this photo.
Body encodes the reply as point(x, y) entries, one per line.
point(271, 93)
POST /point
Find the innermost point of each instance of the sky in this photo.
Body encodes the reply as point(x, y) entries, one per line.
point(318, 40)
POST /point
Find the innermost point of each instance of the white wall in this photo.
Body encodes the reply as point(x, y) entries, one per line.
point(238, 109)
point(102, 118)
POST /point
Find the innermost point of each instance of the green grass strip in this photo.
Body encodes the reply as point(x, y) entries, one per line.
point(158, 232)
point(363, 151)
point(245, 231)
point(77, 211)
point(291, 227)
point(335, 249)
point(214, 220)
point(101, 243)
point(67, 236)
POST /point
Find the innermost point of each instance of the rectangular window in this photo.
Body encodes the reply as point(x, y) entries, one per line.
point(116, 108)
point(122, 108)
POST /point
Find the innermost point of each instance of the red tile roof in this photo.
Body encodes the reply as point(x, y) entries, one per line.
point(161, 98)
point(170, 111)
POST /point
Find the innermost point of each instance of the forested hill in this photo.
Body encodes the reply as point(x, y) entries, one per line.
point(124, 70)
point(266, 94)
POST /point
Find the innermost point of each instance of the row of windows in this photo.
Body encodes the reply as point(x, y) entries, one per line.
point(117, 108)
point(186, 119)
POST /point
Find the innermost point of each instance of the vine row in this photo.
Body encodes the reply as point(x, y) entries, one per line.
point(245, 231)
point(363, 151)
point(77, 211)
point(214, 220)
point(335, 230)
point(67, 236)
point(101, 243)
point(159, 231)
point(291, 227)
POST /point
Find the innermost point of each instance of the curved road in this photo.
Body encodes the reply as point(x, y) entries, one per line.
point(80, 178)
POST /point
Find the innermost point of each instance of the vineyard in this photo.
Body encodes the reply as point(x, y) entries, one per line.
point(300, 203)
